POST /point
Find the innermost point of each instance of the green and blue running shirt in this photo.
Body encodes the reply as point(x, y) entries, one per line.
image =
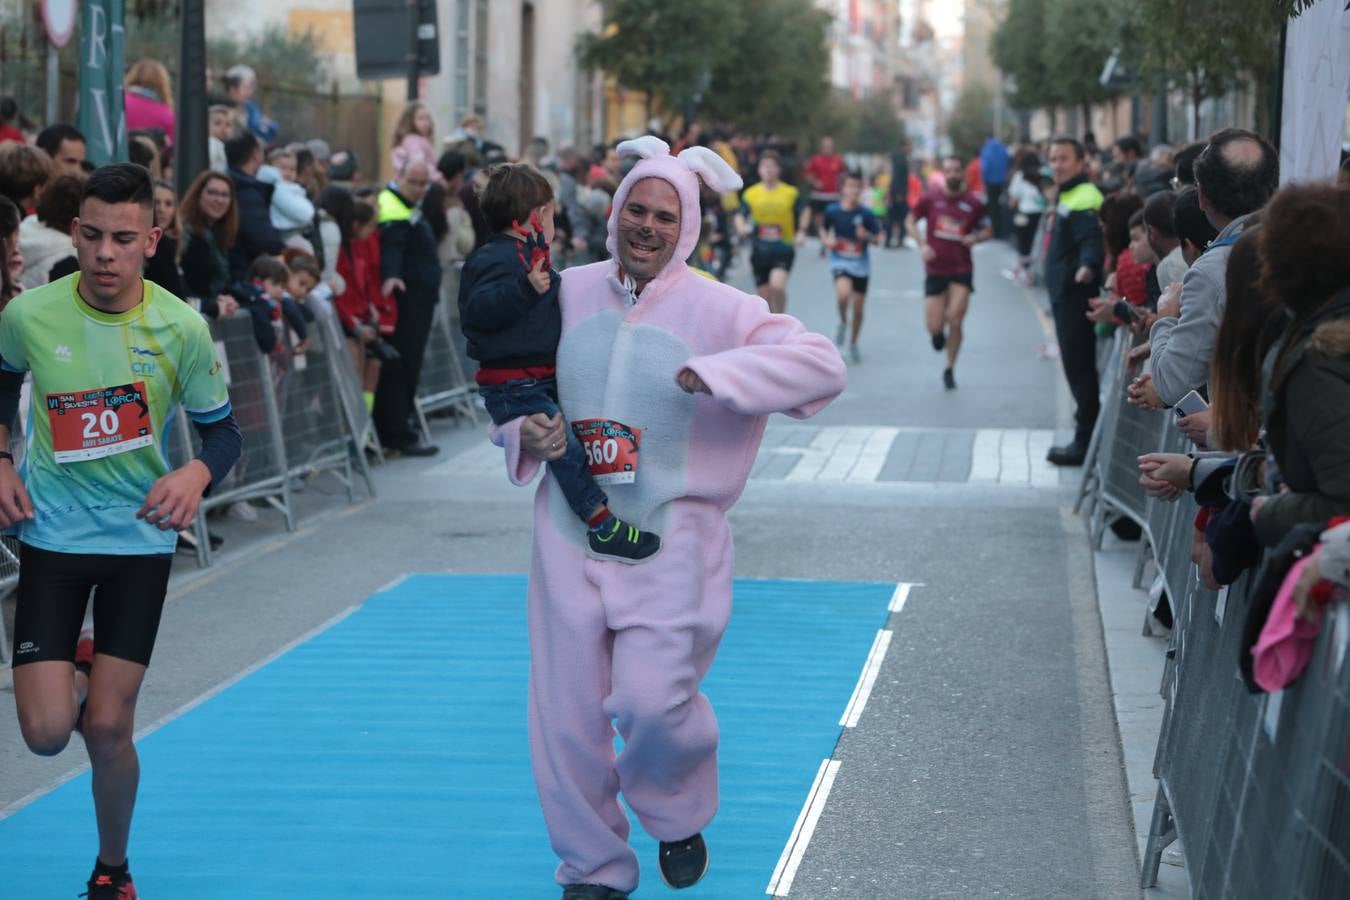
point(105, 389)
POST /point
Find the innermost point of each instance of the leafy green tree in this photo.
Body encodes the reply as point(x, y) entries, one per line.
point(880, 130)
point(1079, 36)
point(775, 75)
point(667, 50)
point(1205, 49)
point(1017, 52)
point(971, 120)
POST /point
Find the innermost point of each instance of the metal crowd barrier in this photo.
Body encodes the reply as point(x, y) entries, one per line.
point(1256, 787)
point(446, 381)
point(297, 417)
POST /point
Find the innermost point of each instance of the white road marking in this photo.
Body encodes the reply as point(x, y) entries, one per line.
point(786, 870)
point(901, 595)
point(863, 690)
point(1012, 456)
point(843, 453)
point(986, 460)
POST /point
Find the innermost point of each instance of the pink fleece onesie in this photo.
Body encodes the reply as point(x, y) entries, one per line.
point(628, 645)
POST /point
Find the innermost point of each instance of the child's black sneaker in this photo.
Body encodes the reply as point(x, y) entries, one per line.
point(592, 892)
point(615, 539)
point(683, 863)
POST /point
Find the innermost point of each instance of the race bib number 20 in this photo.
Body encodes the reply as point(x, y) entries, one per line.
point(611, 449)
point(99, 423)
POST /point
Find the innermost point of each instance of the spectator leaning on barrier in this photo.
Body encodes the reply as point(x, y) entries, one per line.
point(1073, 274)
point(44, 237)
point(162, 268)
point(1162, 237)
point(253, 200)
point(209, 225)
point(66, 146)
point(411, 272)
point(1306, 380)
point(1235, 174)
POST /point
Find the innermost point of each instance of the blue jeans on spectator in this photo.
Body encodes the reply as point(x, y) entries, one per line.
point(527, 396)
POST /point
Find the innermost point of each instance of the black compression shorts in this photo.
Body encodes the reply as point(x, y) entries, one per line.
point(859, 281)
point(54, 592)
point(936, 285)
point(764, 258)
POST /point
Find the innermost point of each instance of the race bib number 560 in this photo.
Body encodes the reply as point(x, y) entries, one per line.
point(611, 449)
point(99, 423)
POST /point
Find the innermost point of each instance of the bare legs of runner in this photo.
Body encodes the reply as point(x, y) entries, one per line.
point(48, 697)
point(948, 309)
point(775, 291)
point(846, 297)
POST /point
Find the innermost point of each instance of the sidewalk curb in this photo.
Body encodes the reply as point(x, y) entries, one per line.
point(1134, 666)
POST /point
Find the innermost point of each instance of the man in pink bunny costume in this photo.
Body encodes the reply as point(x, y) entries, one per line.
point(688, 369)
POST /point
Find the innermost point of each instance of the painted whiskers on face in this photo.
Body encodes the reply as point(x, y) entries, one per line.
point(649, 228)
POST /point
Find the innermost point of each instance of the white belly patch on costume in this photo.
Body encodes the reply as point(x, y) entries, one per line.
point(608, 369)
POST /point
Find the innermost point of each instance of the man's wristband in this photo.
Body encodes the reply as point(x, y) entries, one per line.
point(5, 454)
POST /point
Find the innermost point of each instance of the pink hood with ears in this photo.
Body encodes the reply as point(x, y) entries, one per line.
point(682, 173)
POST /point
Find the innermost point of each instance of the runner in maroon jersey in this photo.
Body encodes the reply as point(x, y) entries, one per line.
point(957, 220)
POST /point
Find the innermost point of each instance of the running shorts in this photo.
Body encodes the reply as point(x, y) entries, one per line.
point(936, 285)
point(767, 257)
point(54, 592)
point(859, 281)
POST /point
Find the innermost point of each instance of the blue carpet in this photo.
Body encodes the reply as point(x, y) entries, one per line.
point(386, 757)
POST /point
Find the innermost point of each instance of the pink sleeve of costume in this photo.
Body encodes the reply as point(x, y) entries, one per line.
point(521, 467)
point(782, 367)
point(1286, 642)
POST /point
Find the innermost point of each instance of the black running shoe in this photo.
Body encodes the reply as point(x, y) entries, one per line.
point(948, 380)
point(621, 542)
point(111, 887)
point(940, 341)
point(592, 892)
point(683, 863)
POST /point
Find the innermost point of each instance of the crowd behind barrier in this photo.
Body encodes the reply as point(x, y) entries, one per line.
point(1254, 786)
point(302, 414)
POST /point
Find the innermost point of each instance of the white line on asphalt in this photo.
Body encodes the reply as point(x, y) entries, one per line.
point(901, 595)
point(863, 690)
point(192, 704)
point(786, 870)
point(395, 583)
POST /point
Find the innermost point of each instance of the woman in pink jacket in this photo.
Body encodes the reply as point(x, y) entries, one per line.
point(670, 377)
point(149, 98)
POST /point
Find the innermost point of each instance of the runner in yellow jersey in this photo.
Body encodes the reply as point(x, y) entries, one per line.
point(775, 216)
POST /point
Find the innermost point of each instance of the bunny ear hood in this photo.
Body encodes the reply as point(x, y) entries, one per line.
point(681, 172)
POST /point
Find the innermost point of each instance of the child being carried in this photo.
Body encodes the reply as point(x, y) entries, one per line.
point(508, 307)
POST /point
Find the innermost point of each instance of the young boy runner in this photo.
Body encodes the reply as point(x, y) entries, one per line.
point(96, 506)
point(849, 228)
point(508, 307)
point(957, 221)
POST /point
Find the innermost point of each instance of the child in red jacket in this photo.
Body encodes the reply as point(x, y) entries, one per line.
point(367, 316)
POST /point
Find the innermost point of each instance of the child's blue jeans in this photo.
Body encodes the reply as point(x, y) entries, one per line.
point(527, 396)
